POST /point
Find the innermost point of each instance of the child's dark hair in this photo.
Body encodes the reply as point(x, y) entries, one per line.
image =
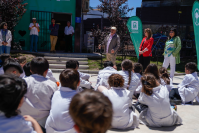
point(128, 66)
point(138, 68)
point(148, 83)
point(153, 69)
point(69, 78)
point(164, 75)
point(91, 111)
point(39, 65)
point(108, 64)
point(11, 62)
point(4, 57)
point(27, 68)
point(71, 64)
point(116, 80)
point(12, 90)
point(21, 59)
point(191, 66)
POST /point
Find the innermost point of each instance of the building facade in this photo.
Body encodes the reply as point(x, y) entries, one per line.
point(43, 11)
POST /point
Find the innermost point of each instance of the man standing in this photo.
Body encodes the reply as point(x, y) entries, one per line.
point(34, 29)
point(54, 34)
point(69, 32)
point(112, 44)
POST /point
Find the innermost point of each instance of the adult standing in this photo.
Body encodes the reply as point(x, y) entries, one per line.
point(145, 52)
point(53, 35)
point(34, 28)
point(172, 51)
point(5, 38)
point(112, 44)
point(69, 32)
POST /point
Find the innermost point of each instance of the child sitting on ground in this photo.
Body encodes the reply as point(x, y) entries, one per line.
point(72, 64)
point(11, 66)
point(83, 76)
point(159, 112)
point(37, 101)
point(131, 81)
point(165, 76)
point(188, 89)
point(3, 58)
point(137, 69)
point(22, 61)
point(12, 91)
point(59, 118)
point(123, 117)
point(27, 69)
point(91, 112)
point(102, 79)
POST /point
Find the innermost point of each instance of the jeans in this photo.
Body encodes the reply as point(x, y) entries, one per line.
point(34, 38)
point(4, 49)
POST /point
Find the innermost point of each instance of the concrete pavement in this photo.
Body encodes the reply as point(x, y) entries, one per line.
point(188, 113)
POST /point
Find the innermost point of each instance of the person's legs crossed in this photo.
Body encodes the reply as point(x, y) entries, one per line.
point(54, 42)
point(172, 66)
point(51, 39)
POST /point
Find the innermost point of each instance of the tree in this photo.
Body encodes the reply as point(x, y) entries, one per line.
point(11, 12)
point(116, 10)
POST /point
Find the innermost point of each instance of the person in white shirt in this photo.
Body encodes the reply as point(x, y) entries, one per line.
point(69, 32)
point(14, 89)
point(84, 76)
point(5, 38)
point(3, 57)
point(159, 112)
point(138, 69)
point(124, 116)
point(131, 81)
point(34, 29)
point(59, 119)
point(188, 89)
point(91, 112)
point(165, 76)
point(37, 102)
point(102, 79)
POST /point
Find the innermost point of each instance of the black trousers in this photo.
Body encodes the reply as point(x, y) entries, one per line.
point(174, 94)
point(145, 61)
point(68, 40)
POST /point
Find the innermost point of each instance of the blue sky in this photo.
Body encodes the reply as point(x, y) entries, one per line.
point(131, 3)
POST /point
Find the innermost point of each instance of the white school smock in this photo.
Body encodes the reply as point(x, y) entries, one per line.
point(123, 116)
point(22, 75)
point(159, 112)
point(1, 71)
point(135, 81)
point(15, 124)
point(34, 30)
point(50, 76)
point(102, 79)
point(59, 120)
point(84, 76)
point(189, 87)
point(139, 86)
point(8, 38)
point(37, 101)
point(168, 86)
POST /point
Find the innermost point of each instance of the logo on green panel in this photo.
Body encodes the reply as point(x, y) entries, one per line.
point(196, 16)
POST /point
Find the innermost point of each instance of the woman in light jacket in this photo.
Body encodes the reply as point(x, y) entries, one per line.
point(5, 38)
point(159, 112)
point(172, 51)
point(145, 48)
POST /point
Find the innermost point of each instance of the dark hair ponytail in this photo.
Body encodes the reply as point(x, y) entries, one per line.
point(164, 75)
point(128, 66)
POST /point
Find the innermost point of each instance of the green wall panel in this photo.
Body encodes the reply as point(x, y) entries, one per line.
point(61, 6)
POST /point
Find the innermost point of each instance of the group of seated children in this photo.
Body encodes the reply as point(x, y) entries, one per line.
point(75, 107)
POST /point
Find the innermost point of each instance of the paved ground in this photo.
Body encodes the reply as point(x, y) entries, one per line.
point(188, 113)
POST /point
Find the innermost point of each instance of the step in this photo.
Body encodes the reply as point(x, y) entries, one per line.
point(64, 62)
point(65, 58)
point(81, 70)
point(61, 66)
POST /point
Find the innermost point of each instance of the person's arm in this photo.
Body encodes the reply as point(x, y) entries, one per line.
point(150, 44)
point(51, 27)
point(36, 126)
point(101, 88)
point(178, 47)
point(141, 52)
point(85, 84)
point(38, 26)
point(118, 44)
point(72, 31)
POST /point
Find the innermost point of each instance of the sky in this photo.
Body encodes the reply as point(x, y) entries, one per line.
point(131, 3)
